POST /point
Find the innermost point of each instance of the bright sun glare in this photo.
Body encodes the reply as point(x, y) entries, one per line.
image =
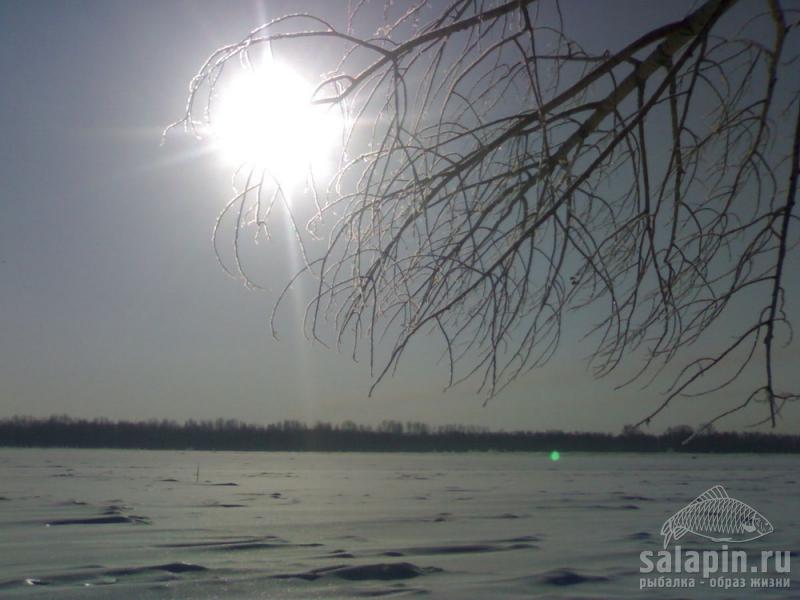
point(265, 119)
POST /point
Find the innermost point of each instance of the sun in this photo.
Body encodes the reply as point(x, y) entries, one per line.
point(265, 119)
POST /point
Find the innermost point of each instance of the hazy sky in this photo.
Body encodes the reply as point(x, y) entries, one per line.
point(111, 300)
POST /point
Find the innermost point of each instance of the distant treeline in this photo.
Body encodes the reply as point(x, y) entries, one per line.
point(389, 436)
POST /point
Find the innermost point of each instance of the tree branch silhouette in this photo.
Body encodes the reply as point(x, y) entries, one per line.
point(496, 177)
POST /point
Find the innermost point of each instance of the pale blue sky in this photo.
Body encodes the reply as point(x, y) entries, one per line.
point(111, 300)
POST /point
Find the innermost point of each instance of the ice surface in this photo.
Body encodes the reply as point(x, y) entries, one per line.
point(141, 524)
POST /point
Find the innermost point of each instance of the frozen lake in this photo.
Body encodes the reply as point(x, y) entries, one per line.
point(142, 524)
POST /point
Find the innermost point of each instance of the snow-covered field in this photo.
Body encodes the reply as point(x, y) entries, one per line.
point(142, 524)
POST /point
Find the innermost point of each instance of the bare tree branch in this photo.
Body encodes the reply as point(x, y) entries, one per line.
point(497, 177)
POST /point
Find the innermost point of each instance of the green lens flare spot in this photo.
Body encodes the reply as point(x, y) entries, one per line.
point(555, 455)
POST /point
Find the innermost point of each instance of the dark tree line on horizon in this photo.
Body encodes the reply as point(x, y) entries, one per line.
point(388, 436)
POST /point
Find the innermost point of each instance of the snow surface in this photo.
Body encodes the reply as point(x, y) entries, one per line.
point(141, 524)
